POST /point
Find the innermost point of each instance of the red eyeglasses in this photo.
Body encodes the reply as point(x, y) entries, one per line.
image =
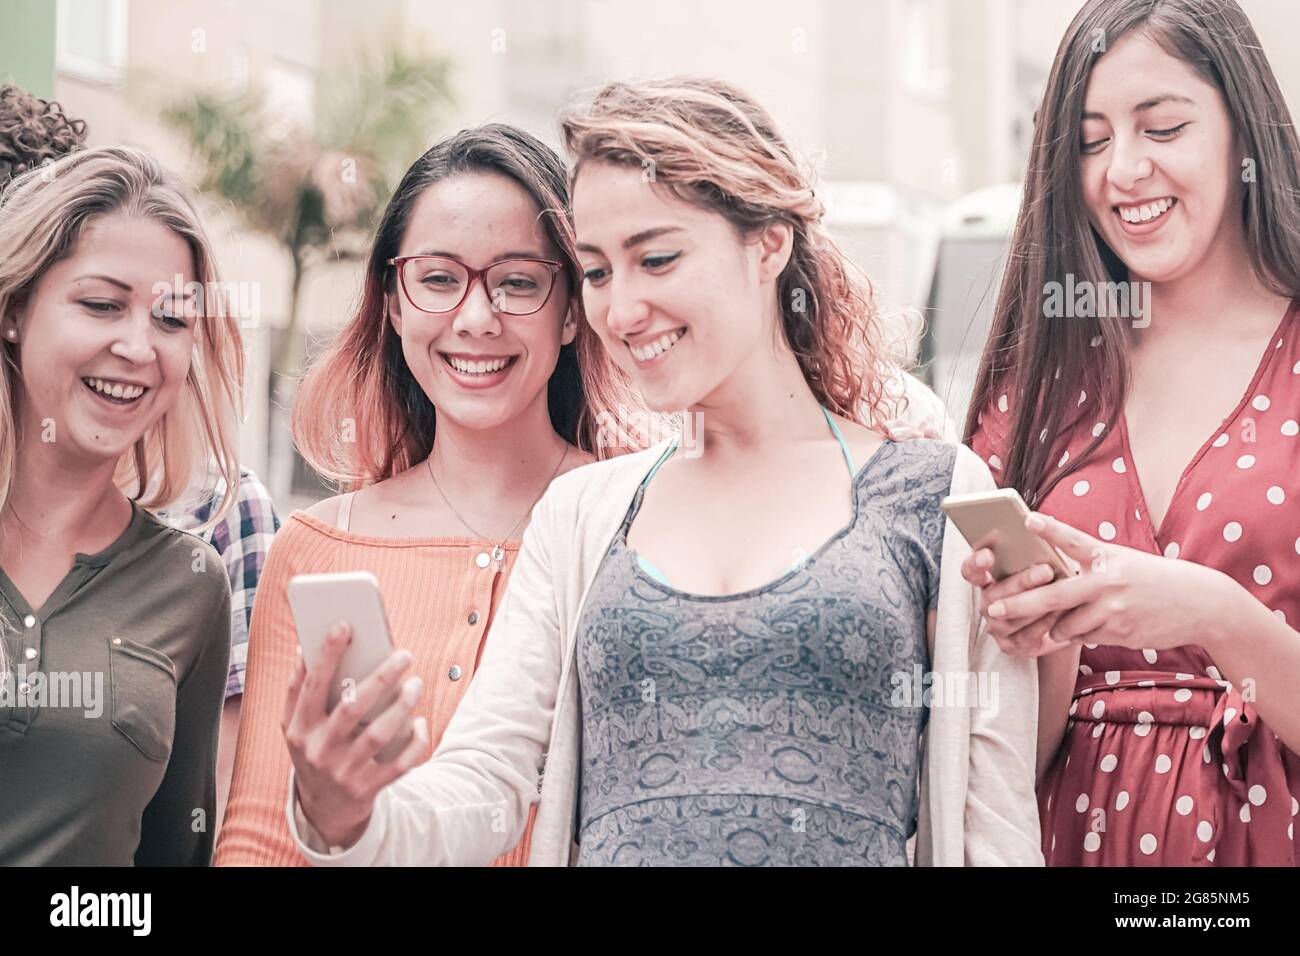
point(514, 286)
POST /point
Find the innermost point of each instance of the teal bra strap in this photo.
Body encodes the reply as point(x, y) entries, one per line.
point(658, 575)
point(844, 446)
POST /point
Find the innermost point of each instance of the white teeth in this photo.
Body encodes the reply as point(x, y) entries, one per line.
point(652, 350)
point(115, 389)
point(477, 368)
point(1145, 212)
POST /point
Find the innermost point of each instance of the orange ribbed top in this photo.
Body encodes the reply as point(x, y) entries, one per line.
point(432, 588)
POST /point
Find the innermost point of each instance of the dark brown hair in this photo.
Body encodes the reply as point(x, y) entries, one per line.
point(1049, 362)
point(364, 376)
point(33, 130)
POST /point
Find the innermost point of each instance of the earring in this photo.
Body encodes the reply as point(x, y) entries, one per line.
point(11, 334)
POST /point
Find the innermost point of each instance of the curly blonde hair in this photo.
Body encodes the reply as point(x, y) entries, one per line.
point(711, 145)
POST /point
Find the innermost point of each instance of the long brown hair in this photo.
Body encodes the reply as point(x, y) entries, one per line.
point(711, 145)
point(364, 378)
point(1048, 362)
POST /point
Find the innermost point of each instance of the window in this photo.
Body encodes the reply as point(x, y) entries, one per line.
point(91, 39)
point(925, 47)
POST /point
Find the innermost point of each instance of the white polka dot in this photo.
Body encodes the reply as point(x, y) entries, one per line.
point(1245, 813)
point(1065, 456)
point(1246, 461)
point(1097, 429)
point(1083, 397)
point(1183, 805)
point(1295, 806)
point(1112, 677)
point(1232, 531)
point(1229, 713)
point(1203, 502)
point(1181, 676)
point(1182, 695)
point(1121, 800)
point(1145, 717)
point(1196, 733)
point(1118, 466)
point(1163, 763)
point(1082, 803)
point(1042, 436)
point(1257, 795)
point(1108, 763)
point(1291, 428)
point(1073, 707)
point(1085, 670)
point(1146, 683)
point(1204, 831)
point(1091, 647)
point(1213, 672)
point(1141, 729)
point(1149, 654)
point(1092, 842)
point(1148, 843)
point(1098, 708)
point(1221, 440)
point(1261, 403)
point(1263, 574)
point(1097, 729)
point(1290, 831)
point(1205, 754)
point(1081, 488)
point(1210, 856)
point(1096, 340)
point(995, 462)
point(1106, 530)
point(1295, 369)
point(1172, 550)
point(1275, 495)
point(1297, 545)
point(1002, 403)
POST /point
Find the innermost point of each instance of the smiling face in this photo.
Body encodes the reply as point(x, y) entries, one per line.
point(480, 367)
point(676, 296)
point(102, 357)
point(1160, 169)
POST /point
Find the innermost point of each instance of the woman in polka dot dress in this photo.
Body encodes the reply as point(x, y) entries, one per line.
point(1160, 445)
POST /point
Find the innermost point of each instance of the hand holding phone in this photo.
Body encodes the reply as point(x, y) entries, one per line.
point(996, 520)
point(318, 602)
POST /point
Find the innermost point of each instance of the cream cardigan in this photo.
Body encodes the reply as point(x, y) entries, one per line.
point(469, 803)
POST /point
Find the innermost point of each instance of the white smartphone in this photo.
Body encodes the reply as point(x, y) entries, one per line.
point(318, 602)
point(996, 520)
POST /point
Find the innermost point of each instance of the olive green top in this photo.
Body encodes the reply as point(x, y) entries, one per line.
point(110, 709)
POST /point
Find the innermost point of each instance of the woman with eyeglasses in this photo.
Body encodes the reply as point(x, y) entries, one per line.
point(465, 382)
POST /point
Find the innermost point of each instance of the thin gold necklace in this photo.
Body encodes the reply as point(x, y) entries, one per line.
point(498, 553)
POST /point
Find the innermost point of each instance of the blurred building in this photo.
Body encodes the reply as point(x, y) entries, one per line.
point(906, 107)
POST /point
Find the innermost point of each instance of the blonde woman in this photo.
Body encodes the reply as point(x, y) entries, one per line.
point(694, 695)
point(115, 627)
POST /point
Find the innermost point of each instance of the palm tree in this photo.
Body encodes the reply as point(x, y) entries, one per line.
point(317, 192)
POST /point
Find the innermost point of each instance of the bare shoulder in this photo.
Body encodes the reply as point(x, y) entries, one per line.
point(326, 510)
point(863, 442)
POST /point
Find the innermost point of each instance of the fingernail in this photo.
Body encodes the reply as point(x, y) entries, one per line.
point(1040, 574)
point(1035, 522)
point(997, 609)
point(411, 692)
point(338, 630)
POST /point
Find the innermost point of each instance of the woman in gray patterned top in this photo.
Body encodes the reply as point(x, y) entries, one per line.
point(739, 707)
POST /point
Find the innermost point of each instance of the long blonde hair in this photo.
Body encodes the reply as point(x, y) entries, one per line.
point(43, 214)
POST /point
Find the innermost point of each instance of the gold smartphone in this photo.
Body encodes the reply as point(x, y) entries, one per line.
point(996, 520)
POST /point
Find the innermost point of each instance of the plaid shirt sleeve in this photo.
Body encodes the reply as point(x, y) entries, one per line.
point(243, 541)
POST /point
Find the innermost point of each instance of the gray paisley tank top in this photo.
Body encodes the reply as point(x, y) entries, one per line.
point(765, 727)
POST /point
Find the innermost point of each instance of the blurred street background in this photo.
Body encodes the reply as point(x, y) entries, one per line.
point(295, 118)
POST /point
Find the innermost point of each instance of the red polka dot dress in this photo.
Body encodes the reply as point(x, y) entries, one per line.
point(1164, 762)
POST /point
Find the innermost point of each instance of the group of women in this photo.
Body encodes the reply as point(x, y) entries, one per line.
point(616, 654)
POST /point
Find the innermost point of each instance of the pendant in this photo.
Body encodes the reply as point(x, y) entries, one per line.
point(499, 556)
